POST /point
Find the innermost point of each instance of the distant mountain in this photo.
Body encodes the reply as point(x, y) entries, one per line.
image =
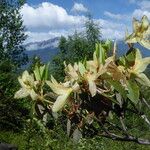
point(44, 49)
point(51, 43)
point(47, 49)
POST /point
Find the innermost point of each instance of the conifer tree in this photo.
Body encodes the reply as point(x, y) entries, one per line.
point(12, 33)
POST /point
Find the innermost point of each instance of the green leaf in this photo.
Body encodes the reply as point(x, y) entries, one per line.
point(100, 51)
point(42, 69)
point(117, 86)
point(84, 61)
point(107, 45)
point(77, 135)
point(97, 49)
point(41, 73)
point(46, 71)
point(110, 115)
point(122, 61)
point(133, 91)
point(119, 99)
point(82, 69)
point(37, 73)
point(102, 54)
point(130, 57)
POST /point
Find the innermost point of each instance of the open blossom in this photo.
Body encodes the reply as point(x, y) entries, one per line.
point(72, 72)
point(63, 91)
point(27, 86)
point(141, 32)
point(139, 67)
point(91, 72)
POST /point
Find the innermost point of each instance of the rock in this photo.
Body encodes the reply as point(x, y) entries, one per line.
point(6, 146)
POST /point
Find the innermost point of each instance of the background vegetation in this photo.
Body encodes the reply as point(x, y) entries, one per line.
point(17, 125)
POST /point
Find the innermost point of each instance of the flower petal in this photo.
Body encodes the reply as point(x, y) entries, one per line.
point(27, 77)
point(131, 38)
point(58, 89)
point(61, 101)
point(72, 71)
point(76, 87)
point(33, 95)
point(141, 65)
point(54, 80)
point(145, 22)
point(21, 82)
point(92, 88)
point(143, 79)
point(138, 55)
point(22, 93)
point(136, 25)
point(145, 43)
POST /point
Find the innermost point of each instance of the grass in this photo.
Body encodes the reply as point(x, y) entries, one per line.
point(60, 141)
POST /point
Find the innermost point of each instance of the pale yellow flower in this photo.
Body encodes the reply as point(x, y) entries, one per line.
point(27, 82)
point(63, 91)
point(141, 32)
point(72, 72)
point(93, 70)
point(139, 67)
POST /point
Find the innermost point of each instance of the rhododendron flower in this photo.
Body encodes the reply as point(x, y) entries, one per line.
point(27, 82)
point(141, 32)
point(63, 91)
point(139, 67)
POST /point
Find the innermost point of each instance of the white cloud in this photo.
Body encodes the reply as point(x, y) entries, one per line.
point(39, 36)
point(50, 16)
point(109, 24)
point(116, 16)
point(112, 34)
point(143, 9)
point(48, 21)
point(145, 4)
point(111, 29)
point(138, 13)
point(78, 7)
point(42, 36)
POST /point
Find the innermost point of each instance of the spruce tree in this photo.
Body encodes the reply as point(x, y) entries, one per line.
point(12, 56)
point(76, 47)
point(92, 35)
point(12, 33)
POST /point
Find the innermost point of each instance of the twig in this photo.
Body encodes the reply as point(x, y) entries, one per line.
point(123, 125)
point(146, 119)
point(145, 102)
point(114, 136)
point(125, 138)
point(114, 125)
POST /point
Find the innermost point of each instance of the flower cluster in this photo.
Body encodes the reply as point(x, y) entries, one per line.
point(102, 75)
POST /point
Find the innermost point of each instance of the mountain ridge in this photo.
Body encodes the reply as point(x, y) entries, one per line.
point(50, 43)
point(47, 49)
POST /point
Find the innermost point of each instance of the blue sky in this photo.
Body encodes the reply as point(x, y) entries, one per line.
point(48, 19)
